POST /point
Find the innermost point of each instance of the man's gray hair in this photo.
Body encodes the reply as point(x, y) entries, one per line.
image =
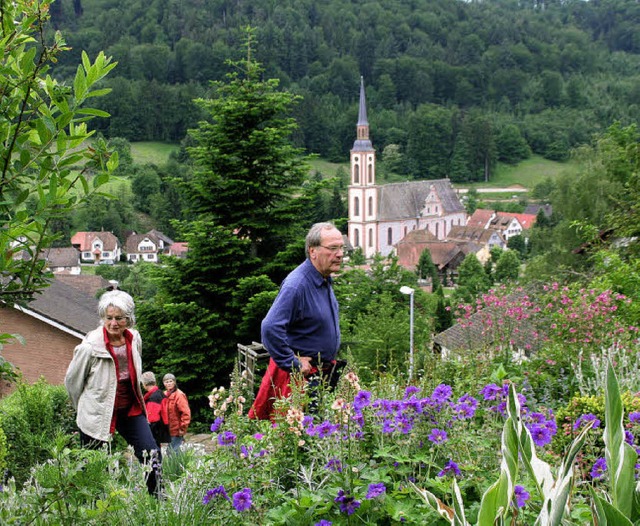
point(120, 300)
point(314, 236)
point(148, 378)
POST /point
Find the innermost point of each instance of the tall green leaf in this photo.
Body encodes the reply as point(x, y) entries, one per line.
point(620, 456)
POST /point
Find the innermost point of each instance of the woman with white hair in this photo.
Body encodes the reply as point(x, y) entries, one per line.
point(103, 382)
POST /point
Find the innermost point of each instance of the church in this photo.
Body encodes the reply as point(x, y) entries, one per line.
point(381, 215)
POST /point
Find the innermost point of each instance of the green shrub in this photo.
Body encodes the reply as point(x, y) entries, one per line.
point(30, 418)
point(3, 453)
point(567, 416)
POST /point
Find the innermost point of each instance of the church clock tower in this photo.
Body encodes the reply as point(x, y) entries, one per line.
point(363, 192)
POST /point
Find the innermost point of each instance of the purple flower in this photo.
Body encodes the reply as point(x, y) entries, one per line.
point(628, 438)
point(388, 426)
point(538, 418)
point(375, 490)
point(349, 506)
point(521, 496)
point(404, 424)
point(589, 417)
point(323, 522)
point(362, 399)
point(466, 407)
point(347, 503)
point(450, 468)
point(215, 492)
point(540, 434)
point(226, 439)
point(258, 436)
point(599, 468)
point(441, 393)
point(334, 464)
point(438, 436)
point(411, 389)
point(242, 500)
point(325, 429)
point(634, 417)
point(490, 391)
point(217, 423)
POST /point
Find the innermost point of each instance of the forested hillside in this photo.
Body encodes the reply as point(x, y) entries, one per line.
point(453, 87)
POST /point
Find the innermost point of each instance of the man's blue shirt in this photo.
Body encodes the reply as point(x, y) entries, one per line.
point(303, 319)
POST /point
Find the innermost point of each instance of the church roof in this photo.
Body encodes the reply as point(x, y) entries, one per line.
point(407, 200)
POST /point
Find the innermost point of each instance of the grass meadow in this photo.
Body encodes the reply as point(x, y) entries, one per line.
point(528, 173)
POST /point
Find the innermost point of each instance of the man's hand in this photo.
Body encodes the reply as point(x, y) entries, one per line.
point(305, 364)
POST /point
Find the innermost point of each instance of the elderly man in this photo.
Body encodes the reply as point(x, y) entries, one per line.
point(301, 331)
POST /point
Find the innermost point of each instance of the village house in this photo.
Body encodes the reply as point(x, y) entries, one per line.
point(52, 324)
point(381, 215)
point(483, 239)
point(508, 224)
point(63, 260)
point(97, 247)
point(446, 255)
point(147, 247)
point(179, 249)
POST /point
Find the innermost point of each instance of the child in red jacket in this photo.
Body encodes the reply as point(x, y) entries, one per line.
point(156, 405)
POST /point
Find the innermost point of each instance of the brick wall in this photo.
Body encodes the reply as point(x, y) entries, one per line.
point(47, 350)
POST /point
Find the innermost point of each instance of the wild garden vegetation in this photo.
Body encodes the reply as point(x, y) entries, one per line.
point(507, 428)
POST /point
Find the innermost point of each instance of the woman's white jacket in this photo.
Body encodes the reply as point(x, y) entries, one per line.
point(91, 382)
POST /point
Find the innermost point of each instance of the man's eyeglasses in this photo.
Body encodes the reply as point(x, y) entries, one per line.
point(337, 248)
point(119, 319)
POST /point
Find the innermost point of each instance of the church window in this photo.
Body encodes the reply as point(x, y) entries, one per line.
point(356, 174)
point(370, 174)
point(371, 237)
point(405, 230)
point(437, 225)
point(370, 206)
point(389, 236)
point(356, 238)
point(356, 206)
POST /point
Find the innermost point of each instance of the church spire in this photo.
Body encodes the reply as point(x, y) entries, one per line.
point(362, 113)
point(362, 143)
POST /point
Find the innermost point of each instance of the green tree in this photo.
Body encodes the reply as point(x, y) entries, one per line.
point(443, 318)
point(245, 165)
point(519, 244)
point(46, 166)
point(507, 267)
point(246, 198)
point(472, 279)
point(427, 269)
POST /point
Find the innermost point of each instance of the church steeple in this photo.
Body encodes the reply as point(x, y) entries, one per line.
point(362, 143)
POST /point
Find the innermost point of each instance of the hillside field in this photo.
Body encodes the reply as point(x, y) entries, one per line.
point(528, 173)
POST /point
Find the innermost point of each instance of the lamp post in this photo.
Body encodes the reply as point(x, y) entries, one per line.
point(409, 291)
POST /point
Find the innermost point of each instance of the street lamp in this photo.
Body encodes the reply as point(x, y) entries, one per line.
point(409, 291)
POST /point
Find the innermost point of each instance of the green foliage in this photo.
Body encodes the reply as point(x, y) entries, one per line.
point(507, 267)
point(3, 451)
point(472, 279)
point(426, 269)
point(46, 167)
point(246, 169)
point(29, 418)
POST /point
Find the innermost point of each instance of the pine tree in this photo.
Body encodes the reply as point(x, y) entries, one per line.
point(248, 174)
point(427, 269)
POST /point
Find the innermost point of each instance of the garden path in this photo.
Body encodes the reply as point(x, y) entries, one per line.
point(201, 439)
